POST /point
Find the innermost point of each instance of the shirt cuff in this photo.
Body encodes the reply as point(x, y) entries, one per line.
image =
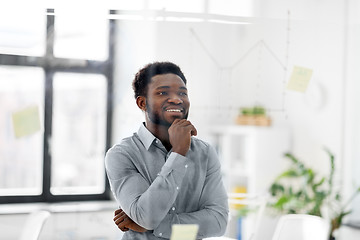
point(164, 229)
point(175, 162)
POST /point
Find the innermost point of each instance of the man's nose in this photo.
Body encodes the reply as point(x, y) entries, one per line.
point(175, 99)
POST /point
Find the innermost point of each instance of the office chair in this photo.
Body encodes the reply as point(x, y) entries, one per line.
point(34, 224)
point(301, 227)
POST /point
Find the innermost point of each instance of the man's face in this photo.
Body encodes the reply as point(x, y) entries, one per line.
point(167, 99)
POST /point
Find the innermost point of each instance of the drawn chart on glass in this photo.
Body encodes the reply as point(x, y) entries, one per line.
point(268, 88)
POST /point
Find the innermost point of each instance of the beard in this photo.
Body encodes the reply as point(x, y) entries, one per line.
point(157, 119)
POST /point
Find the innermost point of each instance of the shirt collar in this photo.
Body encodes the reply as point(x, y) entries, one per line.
point(146, 137)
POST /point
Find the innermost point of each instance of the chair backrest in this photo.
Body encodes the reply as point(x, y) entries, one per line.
point(34, 224)
point(301, 227)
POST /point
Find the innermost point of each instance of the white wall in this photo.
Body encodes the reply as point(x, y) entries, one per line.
point(221, 80)
point(352, 129)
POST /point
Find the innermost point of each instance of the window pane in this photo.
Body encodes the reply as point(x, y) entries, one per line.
point(79, 134)
point(21, 137)
point(22, 30)
point(81, 35)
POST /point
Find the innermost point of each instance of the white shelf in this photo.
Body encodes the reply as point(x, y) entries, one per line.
point(251, 152)
point(251, 157)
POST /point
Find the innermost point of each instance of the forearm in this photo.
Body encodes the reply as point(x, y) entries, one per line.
point(212, 223)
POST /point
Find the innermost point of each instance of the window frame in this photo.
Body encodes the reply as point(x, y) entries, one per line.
point(51, 65)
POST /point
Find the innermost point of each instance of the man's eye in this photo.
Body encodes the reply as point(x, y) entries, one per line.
point(183, 94)
point(162, 93)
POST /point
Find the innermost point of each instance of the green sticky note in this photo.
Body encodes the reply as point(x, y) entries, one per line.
point(26, 121)
point(300, 78)
point(184, 231)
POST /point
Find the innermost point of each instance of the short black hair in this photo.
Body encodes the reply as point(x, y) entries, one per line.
point(144, 75)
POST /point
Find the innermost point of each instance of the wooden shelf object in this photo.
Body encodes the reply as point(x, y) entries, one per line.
point(255, 120)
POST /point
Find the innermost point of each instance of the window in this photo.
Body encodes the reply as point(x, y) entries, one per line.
point(21, 94)
point(22, 31)
point(78, 133)
point(85, 32)
point(55, 94)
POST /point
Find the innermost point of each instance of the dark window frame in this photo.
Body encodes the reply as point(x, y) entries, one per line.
point(50, 64)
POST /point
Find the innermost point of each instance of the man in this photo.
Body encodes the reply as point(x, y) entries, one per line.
point(162, 175)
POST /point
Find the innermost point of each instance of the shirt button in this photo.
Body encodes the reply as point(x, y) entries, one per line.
point(156, 141)
point(173, 208)
point(160, 234)
point(177, 188)
point(186, 166)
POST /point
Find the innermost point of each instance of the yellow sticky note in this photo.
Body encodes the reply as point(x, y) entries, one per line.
point(299, 79)
point(26, 121)
point(184, 231)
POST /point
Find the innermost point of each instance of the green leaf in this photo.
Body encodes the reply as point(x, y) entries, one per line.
point(332, 170)
point(319, 196)
point(290, 191)
point(291, 157)
point(338, 197)
point(258, 110)
point(309, 175)
point(289, 173)
point(276, 188)
point(343, 214)
point(316, 185)
point(246, 111)
point(292, 211)
point(282, 200)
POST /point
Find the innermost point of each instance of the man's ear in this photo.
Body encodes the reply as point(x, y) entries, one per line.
point(141, 102)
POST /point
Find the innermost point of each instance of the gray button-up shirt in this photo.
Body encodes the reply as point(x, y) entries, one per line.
point(157, 188)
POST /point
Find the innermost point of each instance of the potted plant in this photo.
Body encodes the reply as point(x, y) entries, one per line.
point(255, 115)
point(299, 189)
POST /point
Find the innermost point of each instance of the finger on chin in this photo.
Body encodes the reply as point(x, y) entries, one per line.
point(176, 120)
point(193, 132)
